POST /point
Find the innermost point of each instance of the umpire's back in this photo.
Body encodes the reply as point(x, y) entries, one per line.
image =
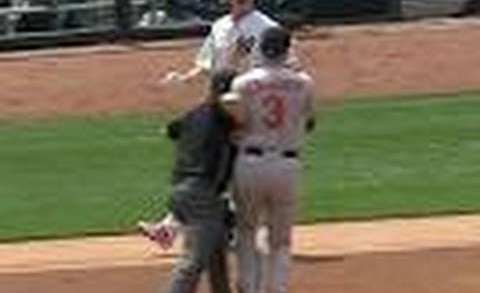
point(203, 155)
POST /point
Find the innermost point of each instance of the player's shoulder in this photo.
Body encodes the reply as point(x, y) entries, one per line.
point(255, 73)
point(260, 17)
point(223, 22)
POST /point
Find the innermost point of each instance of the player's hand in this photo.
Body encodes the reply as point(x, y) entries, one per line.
point(163, 233)
point(172, 77)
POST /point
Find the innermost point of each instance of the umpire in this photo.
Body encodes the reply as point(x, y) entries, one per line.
point(200, 176)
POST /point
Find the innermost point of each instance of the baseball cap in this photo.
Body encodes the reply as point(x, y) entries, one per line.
point(275, 42)
point(221, 82)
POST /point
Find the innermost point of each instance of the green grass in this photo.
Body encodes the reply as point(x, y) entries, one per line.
point(407, 157)
point(78, 176)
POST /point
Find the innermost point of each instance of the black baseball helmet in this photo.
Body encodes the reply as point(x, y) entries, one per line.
point(275, 42)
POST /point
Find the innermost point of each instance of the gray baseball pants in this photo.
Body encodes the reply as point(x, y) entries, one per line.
point(265, 191)
point(205, 250)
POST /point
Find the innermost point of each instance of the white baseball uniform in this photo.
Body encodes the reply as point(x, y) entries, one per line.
point(226, 35)
point(276, 102)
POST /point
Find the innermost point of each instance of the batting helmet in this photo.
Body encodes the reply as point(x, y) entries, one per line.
point(275, 42)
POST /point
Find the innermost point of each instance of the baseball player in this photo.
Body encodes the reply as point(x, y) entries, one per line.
point(232, 43)
point(272, 106)
point(200, 175)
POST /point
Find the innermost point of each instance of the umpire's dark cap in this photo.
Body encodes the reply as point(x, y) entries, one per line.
point(221, 82)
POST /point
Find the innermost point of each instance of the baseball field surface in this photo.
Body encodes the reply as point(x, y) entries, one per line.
point(390, 198)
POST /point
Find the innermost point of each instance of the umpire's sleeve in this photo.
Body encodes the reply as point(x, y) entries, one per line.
point(174, 129)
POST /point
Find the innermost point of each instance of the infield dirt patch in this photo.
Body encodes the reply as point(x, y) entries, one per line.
point(440, 255)
point(369, 60)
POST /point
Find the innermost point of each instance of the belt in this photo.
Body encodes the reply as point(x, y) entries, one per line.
point(257, 151)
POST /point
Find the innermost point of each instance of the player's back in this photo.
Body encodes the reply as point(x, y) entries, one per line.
point(277, 104)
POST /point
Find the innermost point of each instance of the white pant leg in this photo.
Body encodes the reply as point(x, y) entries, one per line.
point(247, 199)
point(281, 211)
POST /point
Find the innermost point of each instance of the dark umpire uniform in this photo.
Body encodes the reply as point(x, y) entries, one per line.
point(202, 169)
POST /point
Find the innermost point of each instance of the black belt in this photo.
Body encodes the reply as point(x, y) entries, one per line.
point(256, 151)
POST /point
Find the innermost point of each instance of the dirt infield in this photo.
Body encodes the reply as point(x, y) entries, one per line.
point(440, 256)
point(440, 56)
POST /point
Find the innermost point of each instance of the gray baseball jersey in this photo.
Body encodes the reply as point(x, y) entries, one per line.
point(277, 104)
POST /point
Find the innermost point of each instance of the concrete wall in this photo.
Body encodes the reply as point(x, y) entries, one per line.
point(423, 8)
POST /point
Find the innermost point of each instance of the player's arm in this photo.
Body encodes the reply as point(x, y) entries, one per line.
point(311, 122)
point(294, 61)
point(231, 102)
point(309, 105)
point(203, 64)
point(175, 76)
point(234, 102)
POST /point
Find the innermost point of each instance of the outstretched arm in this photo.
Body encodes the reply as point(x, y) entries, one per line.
point(177, 77)
point(203, 64)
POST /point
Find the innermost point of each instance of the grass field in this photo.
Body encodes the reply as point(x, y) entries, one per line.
point(405, 157)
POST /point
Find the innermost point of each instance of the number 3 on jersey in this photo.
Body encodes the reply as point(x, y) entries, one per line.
point(273, 111)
